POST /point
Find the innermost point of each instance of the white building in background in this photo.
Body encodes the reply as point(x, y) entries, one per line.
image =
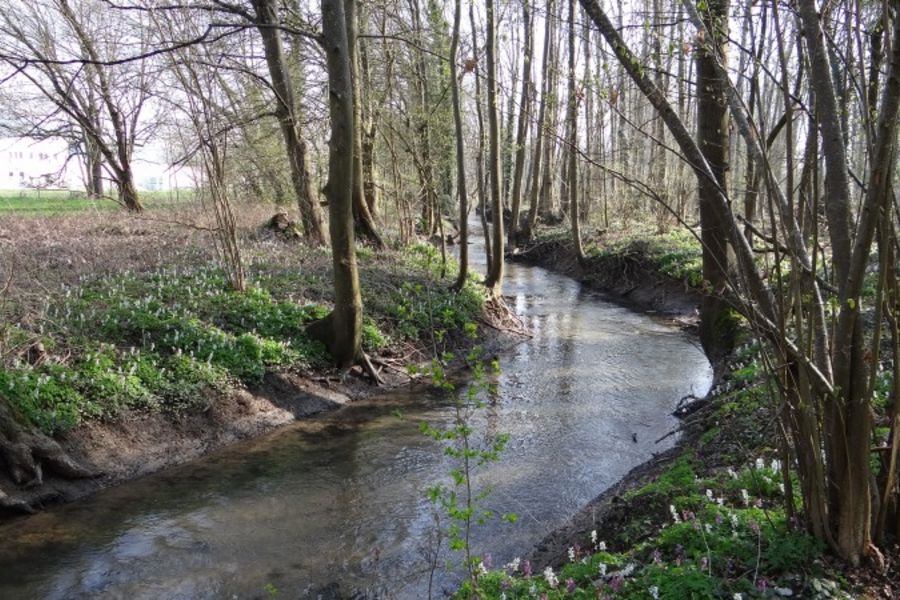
point(45, 164)
point(26, 163)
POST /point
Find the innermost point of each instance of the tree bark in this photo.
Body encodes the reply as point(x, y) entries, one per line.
point(717, 331)
point(494, 282)
point(572, 141)
point(521, 127)
point(461, 190)
point(362, 216)
point(310, 213)
point(345, 321)
point(537, 162)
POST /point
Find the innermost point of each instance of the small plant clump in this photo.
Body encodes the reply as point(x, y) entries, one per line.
point(429, 307)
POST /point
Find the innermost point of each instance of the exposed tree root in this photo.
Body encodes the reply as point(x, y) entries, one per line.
point(25, 455)
point(500, 317)
point(370, 368)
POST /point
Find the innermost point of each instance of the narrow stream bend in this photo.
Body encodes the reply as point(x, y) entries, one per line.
point(335, 506)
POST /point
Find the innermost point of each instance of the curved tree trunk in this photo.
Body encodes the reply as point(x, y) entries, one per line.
point(310, 213)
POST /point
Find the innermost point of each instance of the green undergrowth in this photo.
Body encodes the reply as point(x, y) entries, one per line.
point(716, 523)
point(171, 340)
point(56, 202)
point(676, 253)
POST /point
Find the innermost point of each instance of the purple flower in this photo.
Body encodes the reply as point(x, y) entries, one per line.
point(526, 568)
point(570, 585)
point(488, 561)
point(616, 583)
point(657, 557)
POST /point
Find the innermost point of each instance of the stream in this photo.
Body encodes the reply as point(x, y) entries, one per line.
point(335, 506)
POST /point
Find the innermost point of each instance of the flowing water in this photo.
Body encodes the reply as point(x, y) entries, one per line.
point(336, 506)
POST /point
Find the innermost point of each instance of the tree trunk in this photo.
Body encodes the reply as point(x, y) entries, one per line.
point(461, 191)
point(717, 331)
point(310, 213)
point(572, 140)
point(479, 153)
point(521, 128)
point(537, 162)
point(94, 168)
point(362, 216)
point(128, 194)
point(345, 321)
point(494, 283)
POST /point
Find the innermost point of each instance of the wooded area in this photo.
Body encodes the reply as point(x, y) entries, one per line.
point(766, 129)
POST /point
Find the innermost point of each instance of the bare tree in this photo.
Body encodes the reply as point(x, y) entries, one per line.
point(66, 53)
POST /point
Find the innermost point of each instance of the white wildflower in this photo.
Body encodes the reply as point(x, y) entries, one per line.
point(674, 512)
point(738, 596)
point(481, 568)
point(513, 565)
point(602, 570)
point(601, 546)
point(654, 592)
point(734, 520)
point(709, 495)
point(784, 592)
point(550, 576)
point(571, 554)
point(760, 464)
point(627, 570)
point(745, 497)
point(731, 473)
point(776, 465)
point(594, 537)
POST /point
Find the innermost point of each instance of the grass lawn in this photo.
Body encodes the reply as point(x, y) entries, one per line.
point(48, 202)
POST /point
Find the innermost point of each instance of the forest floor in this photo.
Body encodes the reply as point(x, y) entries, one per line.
point(121, 339)
point(708, 518)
